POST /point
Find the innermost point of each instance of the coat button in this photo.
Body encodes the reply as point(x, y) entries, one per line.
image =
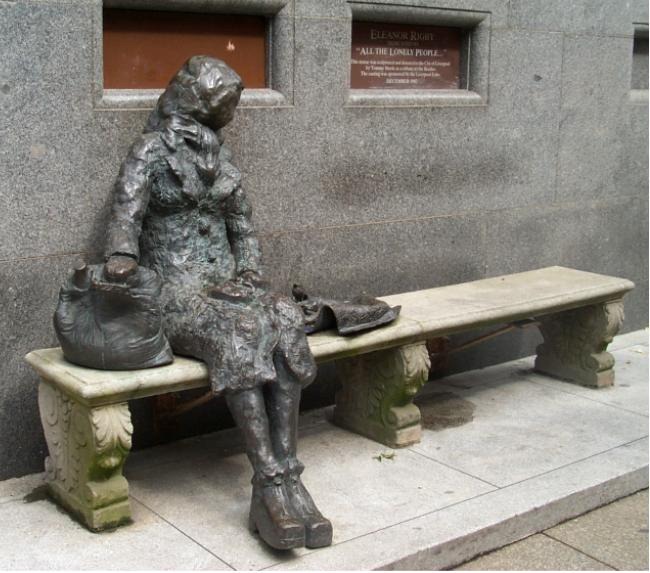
point(204, 228)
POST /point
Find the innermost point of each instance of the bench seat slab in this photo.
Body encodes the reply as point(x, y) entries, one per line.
point(575, 344)
point(376, 399)
point(88, 447)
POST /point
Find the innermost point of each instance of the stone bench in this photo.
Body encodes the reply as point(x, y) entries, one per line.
point(87, 423)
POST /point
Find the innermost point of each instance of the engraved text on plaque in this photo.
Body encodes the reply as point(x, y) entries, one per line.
point(403, 56)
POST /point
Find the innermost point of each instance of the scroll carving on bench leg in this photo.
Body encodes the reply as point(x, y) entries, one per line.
point(376, 399)
point(575, 344)
point(87, 447)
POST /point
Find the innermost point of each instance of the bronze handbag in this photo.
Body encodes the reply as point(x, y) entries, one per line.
point(111, 325)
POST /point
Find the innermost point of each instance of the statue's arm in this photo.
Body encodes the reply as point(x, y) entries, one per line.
point(241, 234)
point(130, 198)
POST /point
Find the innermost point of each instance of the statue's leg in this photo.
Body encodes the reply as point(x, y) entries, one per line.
point(270, 512)
point(283, 403)
point(88, 447)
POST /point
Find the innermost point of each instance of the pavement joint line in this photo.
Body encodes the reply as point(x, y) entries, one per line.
point(577, 461)
point(503, 487)
point(575, 548)
point(183, 533)
point(566, 391)
point(495, 486)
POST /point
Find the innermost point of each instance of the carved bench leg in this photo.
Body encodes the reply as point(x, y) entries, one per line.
point(376, 400)
point(88, 447)
point(575, 344)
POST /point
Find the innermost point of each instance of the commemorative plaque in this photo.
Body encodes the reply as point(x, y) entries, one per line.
point(404, 56)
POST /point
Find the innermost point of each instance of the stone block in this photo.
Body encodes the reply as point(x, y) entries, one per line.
point(632, 172)
point(595, 132)
point(339, 262)
point(636, 308)
point(47, 42)
point(577, 16)
point(28, 298)
point(519, 239)
point(526, 86)
point(338, 9)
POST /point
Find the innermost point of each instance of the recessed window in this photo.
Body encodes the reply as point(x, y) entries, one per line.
point(415, 56)
point(143, 49)
point(391, 56)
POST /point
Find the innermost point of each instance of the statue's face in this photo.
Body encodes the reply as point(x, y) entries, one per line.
point(220, 89)
point(221, 105)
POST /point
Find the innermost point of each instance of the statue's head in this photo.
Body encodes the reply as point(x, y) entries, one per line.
point(204, 88)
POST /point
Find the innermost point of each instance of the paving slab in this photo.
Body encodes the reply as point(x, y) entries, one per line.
point(535, 553)
point(38, 535)
point(522, 429)
point(630, 391)
point(16, 489)
point(630, 339)
point(357, 491)
point(616, 534)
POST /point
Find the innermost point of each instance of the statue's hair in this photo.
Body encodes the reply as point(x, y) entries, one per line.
point(186, 91)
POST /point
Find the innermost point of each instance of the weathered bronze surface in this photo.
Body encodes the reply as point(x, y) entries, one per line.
point(111, 325)
point(351, 316)
point(404, 56)
point(179, 209)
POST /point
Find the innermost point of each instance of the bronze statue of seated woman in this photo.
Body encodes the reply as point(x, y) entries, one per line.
point(179, 209)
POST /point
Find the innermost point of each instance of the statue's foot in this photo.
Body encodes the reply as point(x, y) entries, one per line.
point(271, 516)
point(318, 529)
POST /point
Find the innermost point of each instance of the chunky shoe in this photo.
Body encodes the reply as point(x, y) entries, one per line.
point(271, 515)
point(318, 529)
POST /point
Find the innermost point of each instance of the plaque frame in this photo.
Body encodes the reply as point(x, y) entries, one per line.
point(280, 50)
point(475, 54)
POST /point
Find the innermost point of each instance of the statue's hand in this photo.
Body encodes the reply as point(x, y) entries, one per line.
point(119, 267)
point(253, 280)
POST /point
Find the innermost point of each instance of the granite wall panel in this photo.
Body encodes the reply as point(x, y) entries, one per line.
point(552, 168)
point(595, 17)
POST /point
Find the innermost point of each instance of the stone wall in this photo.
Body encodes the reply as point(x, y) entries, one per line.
point(551, 168)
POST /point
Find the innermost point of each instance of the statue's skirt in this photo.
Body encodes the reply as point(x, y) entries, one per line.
point(245, 343)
